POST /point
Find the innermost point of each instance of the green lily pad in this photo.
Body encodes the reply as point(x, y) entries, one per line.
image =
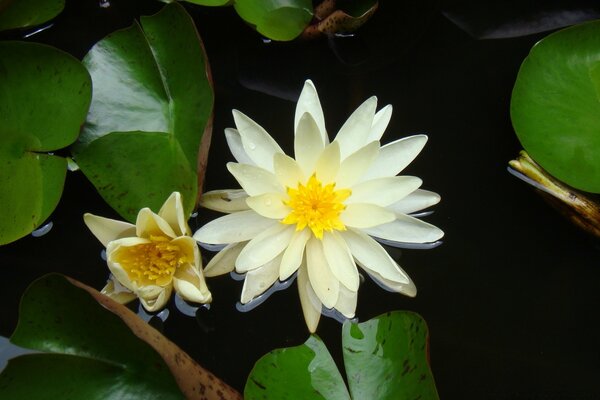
point(385, 358)
point(95, 348)
point(276, 19)
point(44, 97)
point(555, 105)
point(151, 103)
point(26, 13)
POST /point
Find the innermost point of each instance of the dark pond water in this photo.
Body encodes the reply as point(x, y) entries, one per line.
point(511, 297)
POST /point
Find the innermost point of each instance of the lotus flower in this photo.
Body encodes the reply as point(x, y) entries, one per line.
point(152, 257)
point(319, 213)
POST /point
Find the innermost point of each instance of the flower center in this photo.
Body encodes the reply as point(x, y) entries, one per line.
point(316, 206)
point(152, 263)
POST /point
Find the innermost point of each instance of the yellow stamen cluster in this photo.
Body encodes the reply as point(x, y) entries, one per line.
point(316, 206)
point(152, 263)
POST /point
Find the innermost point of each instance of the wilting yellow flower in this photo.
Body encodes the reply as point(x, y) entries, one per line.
point(317, 213)
point(152, 257)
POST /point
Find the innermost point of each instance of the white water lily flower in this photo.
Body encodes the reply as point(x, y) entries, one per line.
point(152, 257)
point(317, 213)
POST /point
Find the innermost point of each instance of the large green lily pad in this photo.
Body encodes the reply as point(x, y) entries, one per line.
point(555, 105)
point(26, 13)
point(385, 358)
point(276, 19)
point(44, 97)
point(151, 105)
point(94, 348)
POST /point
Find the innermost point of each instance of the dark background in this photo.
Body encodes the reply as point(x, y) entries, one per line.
point(511, 297)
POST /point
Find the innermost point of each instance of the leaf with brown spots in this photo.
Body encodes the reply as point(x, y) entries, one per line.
point(92, 350)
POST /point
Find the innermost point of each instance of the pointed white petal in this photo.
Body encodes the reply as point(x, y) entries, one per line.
point(258, 144)
point(340, 260)
point(308, 143)
point(416, 201)
point(293, 255)
point(328, 163)
point(355, 132)
point(287, 171)
point(406, 287)
point(395, 156)
point(226, 201)
point(346, 303)
point(384, 191)
point(106, 229)
point(308, 102)
point(362, 215)
point(322, 280)
point(254, 180)
point(118, 292)
point(269, 205)
point(224, 261)
point(172, 212)
point(233, 228)
point(355, 165)
point(372, 256)
point(264, 247)
point(406, 229)
point(311, 305)
point(152, 300)
point(260, 279)
point(150, 224)
point(190, 285)
point(380, 122)
point(234, 141)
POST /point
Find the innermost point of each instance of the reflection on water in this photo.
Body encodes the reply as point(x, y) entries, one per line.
point(9, 350)
point(257, 301)
point(44, 229)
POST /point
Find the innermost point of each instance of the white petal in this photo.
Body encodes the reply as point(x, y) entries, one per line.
point(355, 132)
point(293, 255)
point(384, 191)
point(118, 292)
point(287, 171)
point(328, 163)
point(362, 215)
point(322, 280)
point(226, 201)
point(346, 303)
point(311, 305)
point(355, 165)
point(269, 205)
point(234, 141)
point(406, 287)
point(340, 260)
point(380, 123)
point(172, 212)
point(190, 285)
point(150, 224)
point(406, 229)
point(233, 228)
point(224, 261)
point(254, 180)
point(416, 201)
point(106, 229)
point(308, 143)
point(371, 255)
point(395, 156)
point(258, 144)
point(264, 247)
point(260, 279)
point(308, 102)
point(152, 301)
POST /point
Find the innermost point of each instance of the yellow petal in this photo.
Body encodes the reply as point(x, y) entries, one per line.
point(154, 298)
point(269, 205)
point(118, 292)
point(189, 283)
point(224, 261)
point(328, 163)
point(149, 224)
point(106, 229)
point(287, 170)
point(254, 180)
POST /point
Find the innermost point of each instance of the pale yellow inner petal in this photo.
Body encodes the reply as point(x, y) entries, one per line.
point(152, 263)
point(316, 206)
